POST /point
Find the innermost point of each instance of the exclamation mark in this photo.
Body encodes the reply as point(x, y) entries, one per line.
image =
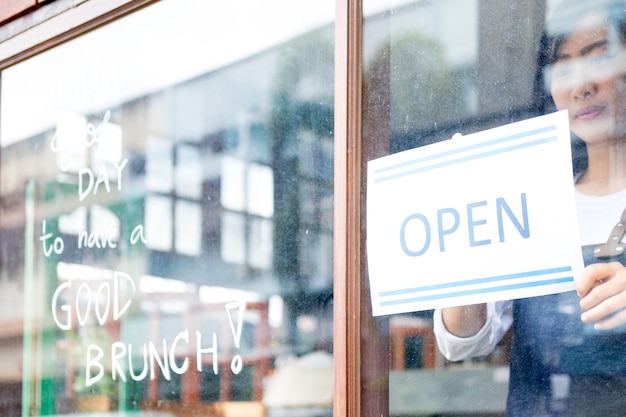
point(235, 326)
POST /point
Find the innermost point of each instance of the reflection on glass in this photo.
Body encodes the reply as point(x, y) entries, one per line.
point(188, 172)
point(159, 165)
point(170, 173)
point(75, 222)
point(158, 223)
point(107, 144)
point(260, 252)
point(233, 184)
point(433, 69)
point(260, 198)
point(233, 238)
point(188, 234)
point(105, 223)
point(69, 139)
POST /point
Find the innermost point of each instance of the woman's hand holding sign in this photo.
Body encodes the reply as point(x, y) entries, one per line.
point(602, 288)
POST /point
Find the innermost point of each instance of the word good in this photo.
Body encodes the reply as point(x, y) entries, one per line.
point(81, 310)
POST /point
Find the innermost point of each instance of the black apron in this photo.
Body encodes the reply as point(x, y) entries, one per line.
point(561, 366)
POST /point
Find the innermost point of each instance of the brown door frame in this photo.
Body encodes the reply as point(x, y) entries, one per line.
point(361, 341)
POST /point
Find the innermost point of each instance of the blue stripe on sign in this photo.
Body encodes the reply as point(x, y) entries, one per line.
point(467, 158)
point(477, 291)
point(467, 148)
point(476, 281)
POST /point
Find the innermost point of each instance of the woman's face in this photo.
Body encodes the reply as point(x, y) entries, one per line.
point(589, 80)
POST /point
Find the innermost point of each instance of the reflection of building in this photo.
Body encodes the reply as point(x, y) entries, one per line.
point(202, 156)
point(228, 179)
point(448, 67)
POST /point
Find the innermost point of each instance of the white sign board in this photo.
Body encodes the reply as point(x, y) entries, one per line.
point(484, 217)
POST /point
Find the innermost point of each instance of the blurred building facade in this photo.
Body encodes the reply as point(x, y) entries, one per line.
point(183, 226)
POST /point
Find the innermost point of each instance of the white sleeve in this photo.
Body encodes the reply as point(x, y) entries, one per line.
point(454, 348)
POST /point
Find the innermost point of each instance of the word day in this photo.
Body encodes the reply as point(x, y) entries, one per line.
point(94, 183)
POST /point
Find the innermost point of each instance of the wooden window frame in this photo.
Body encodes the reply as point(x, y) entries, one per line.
point(361, 343)
point(75, 21)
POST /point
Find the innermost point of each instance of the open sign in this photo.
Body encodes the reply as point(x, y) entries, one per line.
point(488, 216)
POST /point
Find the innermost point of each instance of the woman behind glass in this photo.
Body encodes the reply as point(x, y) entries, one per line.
point(569, 351)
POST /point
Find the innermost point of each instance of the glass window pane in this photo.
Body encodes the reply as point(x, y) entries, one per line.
point(233, 238)
point(188, 234)
point(436, 68)
point(260, 189)
point(188, 172)
point(233, 184)
point(68, 141)
point(260, 250)
point(75, 222)
point(159, 165)
point(104, 223)
point(158, 222)
point(151, 240)
point(106, 139)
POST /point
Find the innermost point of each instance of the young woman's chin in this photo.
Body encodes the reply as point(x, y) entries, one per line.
point(599, 131)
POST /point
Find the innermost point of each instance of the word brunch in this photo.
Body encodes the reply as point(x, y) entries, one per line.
point(69, 309)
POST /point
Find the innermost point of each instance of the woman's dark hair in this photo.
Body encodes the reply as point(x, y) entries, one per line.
point(559, 26)
point(569, 12)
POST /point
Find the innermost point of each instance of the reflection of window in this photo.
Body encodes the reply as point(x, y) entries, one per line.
point(233, 237)
point(233, 180)
point(246, 240)
point(173, 213)
point(159, 165)
point(260, 190)
point(69, 140)
point(105, 223)
point(247, 187)
point(247, 193)
point(158, 222)
point(260, 248)
point(188, 172)
point(187, 224)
